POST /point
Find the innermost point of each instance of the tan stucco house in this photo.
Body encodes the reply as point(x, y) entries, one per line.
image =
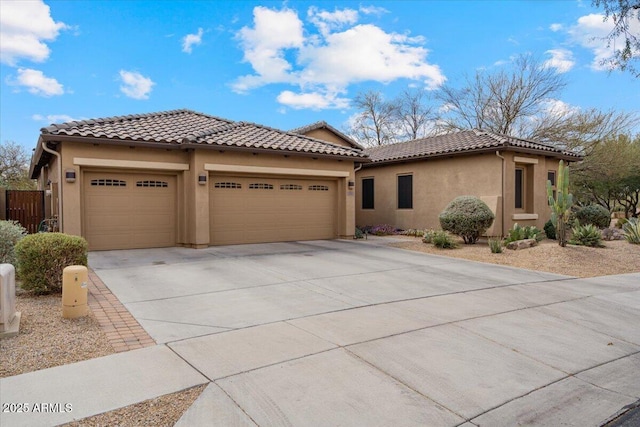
point(408, 184)
point(183, 178)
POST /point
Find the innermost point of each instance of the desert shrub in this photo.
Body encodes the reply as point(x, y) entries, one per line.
point(621, 222)
point(521, 233)
point(586, 235)
point(382, 230)
point(550, 230)
point(594, 214)
point(631, 231)
point(467, 217)
point(427, 236)
point(10, 233)
point(358, 234)
point(42, 257)
point(413, 232)
point(443, 240)
point(495, 245)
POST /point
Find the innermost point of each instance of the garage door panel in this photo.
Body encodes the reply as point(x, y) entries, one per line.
point(260, 209)
point(129, 210)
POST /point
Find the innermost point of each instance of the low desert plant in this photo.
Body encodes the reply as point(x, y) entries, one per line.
point(621, 222)
point(443, 240)
point(495, 244)
point(42, 257)
point(413, 232)
point(358, 234)
point(467, 217)
point(428, 235)
point(10, 233)
point(382, 230)
point(586, 235)
point(521, 233)
point(631, 231)
point(594, 214)
point(550, 230)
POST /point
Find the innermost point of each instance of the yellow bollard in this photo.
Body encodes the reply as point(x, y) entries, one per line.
point(74, 291)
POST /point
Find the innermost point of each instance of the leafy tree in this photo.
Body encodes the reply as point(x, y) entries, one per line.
point(610, 174)
point(14, 167)
point(623, 13)
point(375, 123)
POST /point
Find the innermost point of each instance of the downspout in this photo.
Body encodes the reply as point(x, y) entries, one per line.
point(357, 169)
point(55, 153)
point(503, 190)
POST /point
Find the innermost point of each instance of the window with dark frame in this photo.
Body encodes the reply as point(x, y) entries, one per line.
point(551, 176)
point(519, 188)
point(405, 191)
point(367, 193)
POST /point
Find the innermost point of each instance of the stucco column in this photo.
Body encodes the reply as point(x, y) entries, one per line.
point(197, 211)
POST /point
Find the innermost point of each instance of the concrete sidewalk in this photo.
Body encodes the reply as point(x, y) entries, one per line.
point(353, 335)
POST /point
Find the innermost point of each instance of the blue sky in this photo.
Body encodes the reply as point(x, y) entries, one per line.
point(282, 64)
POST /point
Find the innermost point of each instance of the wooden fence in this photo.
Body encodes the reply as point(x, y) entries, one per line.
point(26, 207)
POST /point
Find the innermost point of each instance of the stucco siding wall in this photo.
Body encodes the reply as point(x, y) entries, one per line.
point(326, 135)
point(435, 183)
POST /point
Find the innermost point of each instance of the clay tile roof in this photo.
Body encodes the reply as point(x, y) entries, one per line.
point(182, 127)
point(251, 135)
point(167, 126)
point(460, 142)
point(324, 125)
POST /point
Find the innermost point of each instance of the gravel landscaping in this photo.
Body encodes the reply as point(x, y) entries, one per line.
point(617, 257)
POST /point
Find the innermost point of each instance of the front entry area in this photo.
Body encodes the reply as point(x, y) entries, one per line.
point(258, 209)
point(129, 210)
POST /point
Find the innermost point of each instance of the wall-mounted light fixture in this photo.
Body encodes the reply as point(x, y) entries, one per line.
point(351, 184)
point(70, 175)
point(202, 179)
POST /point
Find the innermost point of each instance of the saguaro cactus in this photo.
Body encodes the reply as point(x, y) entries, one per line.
point(561, 204)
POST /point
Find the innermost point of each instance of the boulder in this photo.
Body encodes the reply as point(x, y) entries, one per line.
point(522, 244)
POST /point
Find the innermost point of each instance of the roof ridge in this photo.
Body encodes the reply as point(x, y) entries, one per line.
point(215, 130)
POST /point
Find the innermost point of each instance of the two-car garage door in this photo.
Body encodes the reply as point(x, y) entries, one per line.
point(259, 209)
point(129, 210)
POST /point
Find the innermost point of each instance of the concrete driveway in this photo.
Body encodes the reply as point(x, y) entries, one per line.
point(357, 333)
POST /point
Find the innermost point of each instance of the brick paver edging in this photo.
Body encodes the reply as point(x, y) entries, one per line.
point(122, 329)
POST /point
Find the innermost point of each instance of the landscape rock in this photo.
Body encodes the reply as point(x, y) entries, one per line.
point(612, 233)
point(522, 244)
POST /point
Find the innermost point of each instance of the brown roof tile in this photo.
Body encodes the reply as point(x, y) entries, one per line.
point(182, 127)
point(459, 142)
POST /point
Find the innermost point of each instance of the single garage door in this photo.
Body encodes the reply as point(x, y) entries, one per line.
point(255, 209)
point(129, 210)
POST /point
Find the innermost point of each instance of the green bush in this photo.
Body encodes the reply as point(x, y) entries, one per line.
point(594, 214)
point(467, 217)
point(521, 233)
point(495, 245)
point(42, 257)
point(10, 233)
point(550, 230)
point(586, 235)
point(358, 234)
point(632, 231)
point(443, 240)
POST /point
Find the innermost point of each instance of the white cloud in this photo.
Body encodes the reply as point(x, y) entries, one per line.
point(561, 59)
point(190, 40)
point(591, 31)
point(314, 101)
point(556, 27)
point(558, 108)
point(373, 10)
point(37, 83)
point(323, 65)
point(24, 28)
point(135, 85)
point(328, 21)
point(54, 118)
